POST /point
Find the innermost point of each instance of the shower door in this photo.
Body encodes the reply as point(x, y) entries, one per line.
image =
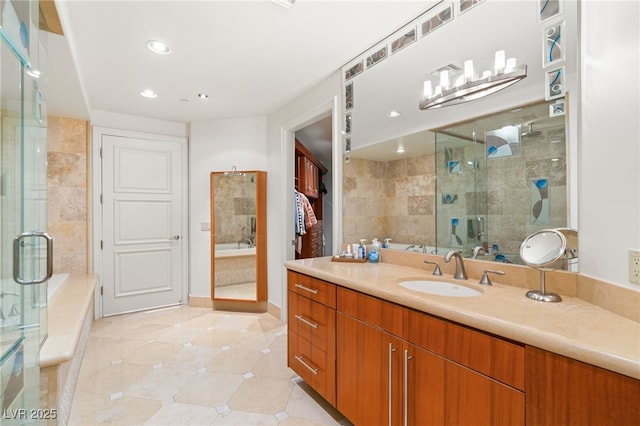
point(25, 248)
point(461, 185)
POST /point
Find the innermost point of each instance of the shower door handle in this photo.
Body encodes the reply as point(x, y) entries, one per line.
point(17, 243)
point(481, 230)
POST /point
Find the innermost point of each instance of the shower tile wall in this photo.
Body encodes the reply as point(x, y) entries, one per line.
point(509, 216)
point(67, 189)
point(390, 199)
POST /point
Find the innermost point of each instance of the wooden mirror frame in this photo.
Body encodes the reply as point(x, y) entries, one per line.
point(260, 303)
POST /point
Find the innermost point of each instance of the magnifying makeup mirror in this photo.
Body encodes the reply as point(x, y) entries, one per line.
point(544, 250)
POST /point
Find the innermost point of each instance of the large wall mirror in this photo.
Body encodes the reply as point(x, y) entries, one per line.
point(239, 240)
point(484, 173)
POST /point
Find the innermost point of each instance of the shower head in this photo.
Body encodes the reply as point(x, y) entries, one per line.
point(530, 133)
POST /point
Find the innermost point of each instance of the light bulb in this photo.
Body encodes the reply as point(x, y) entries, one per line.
point(468, 70)
point(444, 79)
point(500, 61)
point(427, 91)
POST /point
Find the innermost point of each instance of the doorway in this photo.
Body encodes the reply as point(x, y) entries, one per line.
point(314, 186)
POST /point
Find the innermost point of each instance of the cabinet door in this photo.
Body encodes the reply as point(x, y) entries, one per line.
point(474, 399)
point(310, 178)
point(369, 372)
point(564, 391)
point(424, 384)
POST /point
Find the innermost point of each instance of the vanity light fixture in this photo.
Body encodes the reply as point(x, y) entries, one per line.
point(468, 85)
point(400, 149)
point(159, 47)
point(149, 94)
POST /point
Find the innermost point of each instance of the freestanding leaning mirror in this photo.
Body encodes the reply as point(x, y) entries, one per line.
point(239, 240)
point(544, 250)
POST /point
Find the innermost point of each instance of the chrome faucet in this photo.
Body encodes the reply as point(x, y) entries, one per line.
point(460, 272)
point(248, 241)
point(477, 250)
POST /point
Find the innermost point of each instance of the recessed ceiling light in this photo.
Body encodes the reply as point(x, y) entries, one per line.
point(149, 94)
point(393, 114)
point(159, 47)
point(203, 95)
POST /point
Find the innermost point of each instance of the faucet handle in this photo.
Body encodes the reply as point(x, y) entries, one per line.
point(436, 270)
point(485, 278)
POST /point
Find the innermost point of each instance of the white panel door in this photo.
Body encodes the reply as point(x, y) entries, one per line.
point(142, 223)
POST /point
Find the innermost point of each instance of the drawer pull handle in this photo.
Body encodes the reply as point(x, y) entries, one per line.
point(306, 321)
point(301, 361)
point(310, 290)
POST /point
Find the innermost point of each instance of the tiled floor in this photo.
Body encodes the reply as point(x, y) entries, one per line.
point(192, 366)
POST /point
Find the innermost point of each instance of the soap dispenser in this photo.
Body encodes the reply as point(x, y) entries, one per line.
point(374, 252)
point(362, 249)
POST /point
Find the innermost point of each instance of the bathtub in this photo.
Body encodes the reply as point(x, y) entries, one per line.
point(54, 283)
point(413, 248)
point(234, 250)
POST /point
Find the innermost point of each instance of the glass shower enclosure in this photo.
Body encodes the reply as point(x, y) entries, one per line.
point(25, 247)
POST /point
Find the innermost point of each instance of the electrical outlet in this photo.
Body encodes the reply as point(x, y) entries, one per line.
point(634, 266)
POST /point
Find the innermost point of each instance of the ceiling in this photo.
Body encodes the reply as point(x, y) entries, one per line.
point(250, 57)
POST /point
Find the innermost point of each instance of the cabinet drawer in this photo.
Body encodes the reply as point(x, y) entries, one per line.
point(371, 310)
point(314, 366)
point(312, 321)
point(497, 358)
point(313, 288)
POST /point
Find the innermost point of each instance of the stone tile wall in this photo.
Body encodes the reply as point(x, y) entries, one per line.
point(67, 193)
point(390, 199)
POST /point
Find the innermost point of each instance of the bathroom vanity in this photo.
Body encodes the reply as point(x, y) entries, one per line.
point(384, 354)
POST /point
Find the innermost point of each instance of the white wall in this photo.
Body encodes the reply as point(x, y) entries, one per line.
point(280, 185)
point(217, 145)
point(119, 121)
point(609, 168)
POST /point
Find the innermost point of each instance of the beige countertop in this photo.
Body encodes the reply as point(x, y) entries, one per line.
point(573, 327)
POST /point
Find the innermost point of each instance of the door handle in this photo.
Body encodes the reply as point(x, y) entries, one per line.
point(174, 238)
point(17, 242)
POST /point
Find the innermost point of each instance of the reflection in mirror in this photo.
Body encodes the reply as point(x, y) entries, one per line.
point(389, 194)
point(487, 182)
point(238, 236)
point(500, 178)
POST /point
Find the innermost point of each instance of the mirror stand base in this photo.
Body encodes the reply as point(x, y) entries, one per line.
point(543, 297)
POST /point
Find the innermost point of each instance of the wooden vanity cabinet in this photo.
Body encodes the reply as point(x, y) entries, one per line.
point(414, 369)
point(381, 363)
point(311, 349)
point(563, 391)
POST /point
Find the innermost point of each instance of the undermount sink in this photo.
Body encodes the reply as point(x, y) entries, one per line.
point(440, 288)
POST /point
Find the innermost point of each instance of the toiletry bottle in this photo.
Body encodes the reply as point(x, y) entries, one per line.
point(362, 249)
point(374, 253)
